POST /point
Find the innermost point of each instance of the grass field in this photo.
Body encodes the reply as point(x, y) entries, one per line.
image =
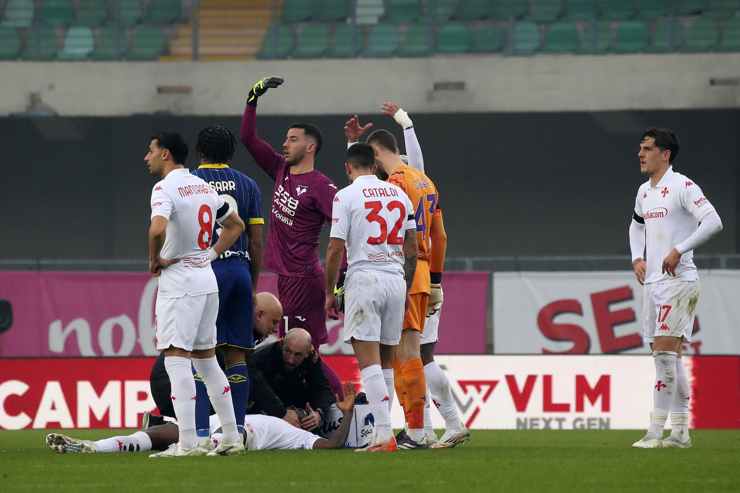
point(510, 461)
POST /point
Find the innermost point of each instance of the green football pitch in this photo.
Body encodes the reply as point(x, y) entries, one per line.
point(509, 461)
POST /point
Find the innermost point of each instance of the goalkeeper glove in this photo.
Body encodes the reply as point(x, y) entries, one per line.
point(339, 291)
point(260, 87)
point(436, 298)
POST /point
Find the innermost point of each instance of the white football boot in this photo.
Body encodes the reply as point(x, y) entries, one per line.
point(174, 450)
point(67, 445)
point(453, 438)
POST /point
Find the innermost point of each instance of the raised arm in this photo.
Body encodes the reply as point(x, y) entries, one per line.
point(411, 142)
point(266, 157)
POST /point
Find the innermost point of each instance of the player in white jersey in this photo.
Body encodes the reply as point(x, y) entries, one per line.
point(184, 212)
point(671, 218)
point(375, 221)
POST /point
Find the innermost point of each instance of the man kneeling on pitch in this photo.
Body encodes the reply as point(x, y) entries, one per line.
point(261, 433)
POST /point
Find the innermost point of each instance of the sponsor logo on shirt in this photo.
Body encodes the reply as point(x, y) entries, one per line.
point(284, 206)
point(700, 202)
point(657, 213)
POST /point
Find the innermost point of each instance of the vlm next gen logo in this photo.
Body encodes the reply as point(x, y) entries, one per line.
point(473, 397)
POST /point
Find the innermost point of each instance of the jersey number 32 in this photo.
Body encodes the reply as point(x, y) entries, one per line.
point(374, 216)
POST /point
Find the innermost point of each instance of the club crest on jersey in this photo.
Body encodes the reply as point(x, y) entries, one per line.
point(301, 189)
point(664, 192)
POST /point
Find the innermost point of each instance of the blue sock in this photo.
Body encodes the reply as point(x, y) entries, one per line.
point(202, 408)
point(239, 380)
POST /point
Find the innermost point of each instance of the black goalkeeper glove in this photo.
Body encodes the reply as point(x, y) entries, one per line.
point(260, 87)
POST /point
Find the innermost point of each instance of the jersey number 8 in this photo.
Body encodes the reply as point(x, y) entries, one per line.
point(205, 220)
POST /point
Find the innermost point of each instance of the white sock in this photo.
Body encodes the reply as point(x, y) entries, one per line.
point(439, 388)
point(664, 390)
point(377, 393)
point(680, 404)
point(390, 385)
point(183, 397)
point(219, 392)
point(428, 428)
point(138, 442)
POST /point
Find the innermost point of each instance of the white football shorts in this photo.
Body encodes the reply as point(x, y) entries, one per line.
point(187, 322)
point(374, 303)
point(669, 309)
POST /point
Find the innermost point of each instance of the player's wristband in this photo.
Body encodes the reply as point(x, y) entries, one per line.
point(403, 119)
point(435, 277)
point(212, 255)
point(350, 144)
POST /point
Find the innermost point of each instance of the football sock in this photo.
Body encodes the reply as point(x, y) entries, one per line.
point(680, 405)
point(202, 408)
point(390, 385)
point(398, 383)
point(416, 390)
point(664, 390)
point(238, 377)
point(137, 442)
point(428, 428)
point(377, 393)
point(439, 388)
point(219, 392)
point(183, 397)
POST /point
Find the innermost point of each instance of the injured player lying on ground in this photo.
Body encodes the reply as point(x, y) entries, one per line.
point(261, 433)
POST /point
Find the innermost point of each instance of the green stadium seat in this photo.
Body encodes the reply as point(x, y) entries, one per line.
point(334, 10)
point(10, 43)
point(488, 39)
point(313, 41)
point(617, 10)
point(402, 10)
point(128, 12)
point(510, 9)
point(689, 7)
point(18, 13)
point(57, 12)
point(472, 10)
point(299, 10)
point(417, 41)
point(561, 37)
point(580, 10)
point(78, 43)
point(443, 10)
point(631, 37)
point(595, 38)
point(652, 9)
point(666, 36)
point(164, 12)
point(723, 9)
point(148, 43)
point(730, 40)
point(346, 43)
point(42, 44)
point(545, 10)
point(700, 35)
point(278, 42)
point(525, 38)
point(382, 41)
point(110, 44)
point(91, 13)
point(454, 37)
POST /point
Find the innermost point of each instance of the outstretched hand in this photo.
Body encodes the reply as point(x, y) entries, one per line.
point(261, 86)
point(353, 130)
point(390, 108)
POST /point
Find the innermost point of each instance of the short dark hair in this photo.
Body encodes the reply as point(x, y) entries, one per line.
point(312, 131)
point(384, 139)
point(174, 143)
point(216, 144)
point(361, 156)
point(665, 139)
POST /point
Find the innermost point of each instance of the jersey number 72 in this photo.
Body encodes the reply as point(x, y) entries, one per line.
point(373, 216)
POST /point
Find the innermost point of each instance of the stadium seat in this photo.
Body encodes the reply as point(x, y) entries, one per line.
point(91, 13)
point(78, 43)
point(128, 12)
point(525, 38)
point(617, 10)
point(730, 40)
point(402, 10)
point(689, 7)
point(382, 40)
point(313, 41)
point(545, 10)
point(298, 10)
point(443, 10)
point(346, 42)
point(652, 9)
point(147, 43)
point(631, 37)
point(510, 9)
point(164, 11)
point(10, 43)
point(666, 36)
point(580, 10)
point(561, 37)
point(454, 37)
point(488, 39)
point(595, 38)
point(18, 13)
point(334, 10)
point(723, 9)
point(110, 44)
point(417, 41)
point(700, 34)
point(57, 12)
point(472, 10)
point(277, 43)
point(42, 44)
